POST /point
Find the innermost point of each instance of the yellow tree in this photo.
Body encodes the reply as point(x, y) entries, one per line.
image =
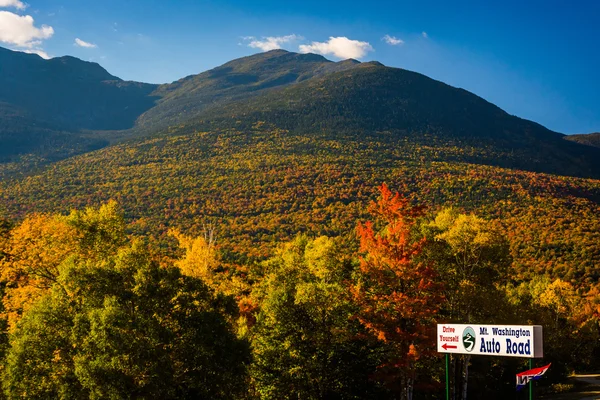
point(472, 257)
point(35, 249)
point(42, 242)
point(5, 227)
point(200, 259)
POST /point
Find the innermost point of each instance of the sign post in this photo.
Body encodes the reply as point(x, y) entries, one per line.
point(531, 381)
point(447, 380)
point(524, 341)
point(527, 377)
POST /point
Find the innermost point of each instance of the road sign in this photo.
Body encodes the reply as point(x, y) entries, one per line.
point(491, 340)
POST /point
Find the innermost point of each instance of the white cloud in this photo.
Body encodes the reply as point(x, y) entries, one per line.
point(270, 42)
point(394, 41)
point(340, 47)
point(81, 43)
point(39, 52)
point(20, 30)
point(425, 35)
point(13, 3)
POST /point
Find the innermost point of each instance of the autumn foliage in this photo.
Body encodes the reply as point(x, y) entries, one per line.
point(398, 295)
point(90, 307)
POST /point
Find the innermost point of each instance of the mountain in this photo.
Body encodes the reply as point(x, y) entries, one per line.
point(369, 98)
point(276, 145)
point(66, 106)
point(71, 93)
point(46, 104)
point(242, 78)
point(589, 139)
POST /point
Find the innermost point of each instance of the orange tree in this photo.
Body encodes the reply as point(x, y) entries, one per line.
point(398, 295)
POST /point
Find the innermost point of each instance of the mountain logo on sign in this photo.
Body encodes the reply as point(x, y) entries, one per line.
point(468, 339)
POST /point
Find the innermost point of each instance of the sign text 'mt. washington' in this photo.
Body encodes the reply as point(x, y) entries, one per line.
point(492, 340)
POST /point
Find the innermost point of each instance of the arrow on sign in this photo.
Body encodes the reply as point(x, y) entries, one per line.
point(448, 346)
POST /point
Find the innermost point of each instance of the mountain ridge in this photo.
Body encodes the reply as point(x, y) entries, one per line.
point(373, 98)
point(234, 80)
point(46, 106)
point(76, 103)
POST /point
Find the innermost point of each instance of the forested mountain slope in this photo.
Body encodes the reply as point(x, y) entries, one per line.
point(306, 93)
point(245, 77)
point(280, 143)
point(71, 93)
point(263, 185)
point(590, 139)
point(45, 104)
point(398, 103)
point(248, 187)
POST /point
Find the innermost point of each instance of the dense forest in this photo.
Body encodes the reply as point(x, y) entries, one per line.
point(268, 220)
point(264, 185)
point(92, 309)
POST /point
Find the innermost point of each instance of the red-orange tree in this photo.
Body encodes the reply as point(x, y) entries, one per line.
point(398, 296)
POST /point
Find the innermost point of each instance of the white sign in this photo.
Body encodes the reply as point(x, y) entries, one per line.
point(491, 340)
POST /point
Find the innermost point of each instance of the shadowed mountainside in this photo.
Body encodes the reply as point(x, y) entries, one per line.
point(45, 104)
point(590, 139)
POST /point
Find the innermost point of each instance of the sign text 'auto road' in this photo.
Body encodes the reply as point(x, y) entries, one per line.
point(492, 340)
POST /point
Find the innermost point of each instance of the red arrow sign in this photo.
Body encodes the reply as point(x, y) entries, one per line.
point(448, 346)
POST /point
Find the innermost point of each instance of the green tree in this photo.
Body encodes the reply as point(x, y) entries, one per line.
point(472, 257)
point(100, 231)
point(571, 330)
point(123, 327)
point(41, 242)
point(305, 343)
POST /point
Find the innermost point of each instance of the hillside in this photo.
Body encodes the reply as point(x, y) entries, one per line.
point(377, 99)
point(280, 143)
point(250, 185)
point(264, 184)
point(305, 93)
point(45, 104)
point(590, 139)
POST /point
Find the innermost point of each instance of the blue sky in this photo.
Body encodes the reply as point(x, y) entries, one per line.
point(536, 59)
